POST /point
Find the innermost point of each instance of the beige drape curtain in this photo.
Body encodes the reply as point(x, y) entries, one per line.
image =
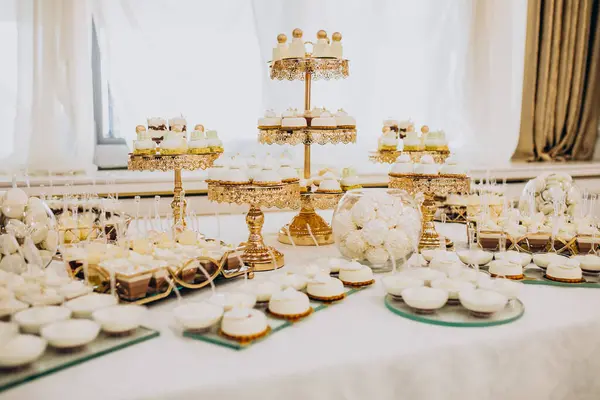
point(561, 88)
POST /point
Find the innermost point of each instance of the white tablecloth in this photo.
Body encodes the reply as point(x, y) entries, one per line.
point(354, 350)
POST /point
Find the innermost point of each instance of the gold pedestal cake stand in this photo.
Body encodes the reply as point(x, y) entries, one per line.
point(390, 156)
point(430, 186)
point(175, 163)
point(307, 69)
point(257, 255)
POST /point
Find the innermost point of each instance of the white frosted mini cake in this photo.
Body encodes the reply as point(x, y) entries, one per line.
point(324, 121)
point(290, 304)
point(215, 144)
point(506, 269)
point(198, 143)
point(244, 324)
point(144, 145)
point(173, 143)
point(356, 274)
point(403, 165)
point(269, 121)
point(329, 186)
point(426, 166)
point(344, 120)
point(325, 288)
point(568, 271)
point(452, 167)
point(157, 128)
point(388, 140)
point(292, 119)
point(412, 142)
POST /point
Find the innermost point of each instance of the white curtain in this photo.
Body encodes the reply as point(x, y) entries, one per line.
point(53, 128)
point(453, 65)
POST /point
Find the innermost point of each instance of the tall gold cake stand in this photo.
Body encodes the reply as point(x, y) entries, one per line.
point(257, 254)
point(176, 163)
point(309, 69)
point(430, 186)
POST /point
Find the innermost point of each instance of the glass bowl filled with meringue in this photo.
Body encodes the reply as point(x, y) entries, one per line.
point(377, 227)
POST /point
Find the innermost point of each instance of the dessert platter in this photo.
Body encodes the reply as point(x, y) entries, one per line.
point(148, 268)
point(449, 292)
point(257, 310)
point(61, 323)
point(552, 216)
point(399, 138)
point(430, 179)
point(160, 149)
point(308, 127)
point(28, 231)
point(266, 185)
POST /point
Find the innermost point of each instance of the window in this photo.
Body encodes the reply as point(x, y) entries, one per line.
point(9, 82)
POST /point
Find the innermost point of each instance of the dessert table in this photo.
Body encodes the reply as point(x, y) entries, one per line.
point(355, 350)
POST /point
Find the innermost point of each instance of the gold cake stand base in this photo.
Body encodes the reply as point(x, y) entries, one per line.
point(257, 254)
point(320, 229)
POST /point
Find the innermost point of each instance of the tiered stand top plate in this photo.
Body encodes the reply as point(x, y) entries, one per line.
point(286, 195)
point(390, 156)
point(159, 162)
point(307, 136)
point(440, 185)
point(295, 69)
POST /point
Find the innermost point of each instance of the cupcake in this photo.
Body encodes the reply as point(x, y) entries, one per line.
point(329, 186)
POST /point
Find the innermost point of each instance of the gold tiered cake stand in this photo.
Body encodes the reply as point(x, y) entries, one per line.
point(257, 254)
point(307, 69)
point(177, 163)
point(431, 186)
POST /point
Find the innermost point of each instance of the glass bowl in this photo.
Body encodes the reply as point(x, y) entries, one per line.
point(377, 227)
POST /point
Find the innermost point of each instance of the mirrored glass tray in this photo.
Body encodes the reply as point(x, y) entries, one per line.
point(536, 276)
point(53, 361)
point(457, 315)
point(275, 324)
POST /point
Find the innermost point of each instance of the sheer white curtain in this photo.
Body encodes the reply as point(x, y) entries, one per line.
point(53, 125)
point(453, 65)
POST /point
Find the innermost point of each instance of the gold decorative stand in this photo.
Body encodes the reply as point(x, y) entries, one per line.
point(430, 186)
point(175, 163)
point(307, 69)
point(390, 156)
point(257, 255)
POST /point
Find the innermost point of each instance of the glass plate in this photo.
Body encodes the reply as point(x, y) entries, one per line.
point(53, 361)
point(276, 325)
point(457, 315)
point(535, 276)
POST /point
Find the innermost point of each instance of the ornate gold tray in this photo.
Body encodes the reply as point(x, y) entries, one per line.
point(389, 157)
point(295, 69)
point(307, 136)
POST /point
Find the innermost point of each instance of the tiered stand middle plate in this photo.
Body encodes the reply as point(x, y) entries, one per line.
point(257, 254)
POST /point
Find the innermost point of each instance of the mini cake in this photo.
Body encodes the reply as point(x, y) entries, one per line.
point(405, 126)
point(198, 143)
point(514, 256)
point(198, 317)
point(286, 172)
point(322, 176)
point(425, 300)
point(220, 166)
point(412, 142)
point(506, 269)
point(296, 49)
point(425, 274)
point(426, 166)
point(475, 256)
point(336, 45)
point(329, 186)
point(391, 123)
point(388, 141)
point(588, 262)
point(213, 141)
point(349, 179)
point(436, 141)
point(287, 280)
point(403, 165)
point(289, 304)
point(568, 272)
point(451, 167)
point(32, 319)
point(452, 286)
point(395, 284)
point(506, 287)
point(254, 167)
point(321, 48)
point(343, 120)
point(267, 177)
point(173, 143)
point(70, 333)
point(481, 302)
point(324, 121)
point(473, 276)
point(269, 121)
point(243, 324)
point(544, 259)
point(236, 175)
point(281, 51)
point(291, 120)
point(144, 145)
point(178, 124)
point(20, 350)
point(157, 128)
point(262, 290)
point(323, 287)
point(356, 274)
